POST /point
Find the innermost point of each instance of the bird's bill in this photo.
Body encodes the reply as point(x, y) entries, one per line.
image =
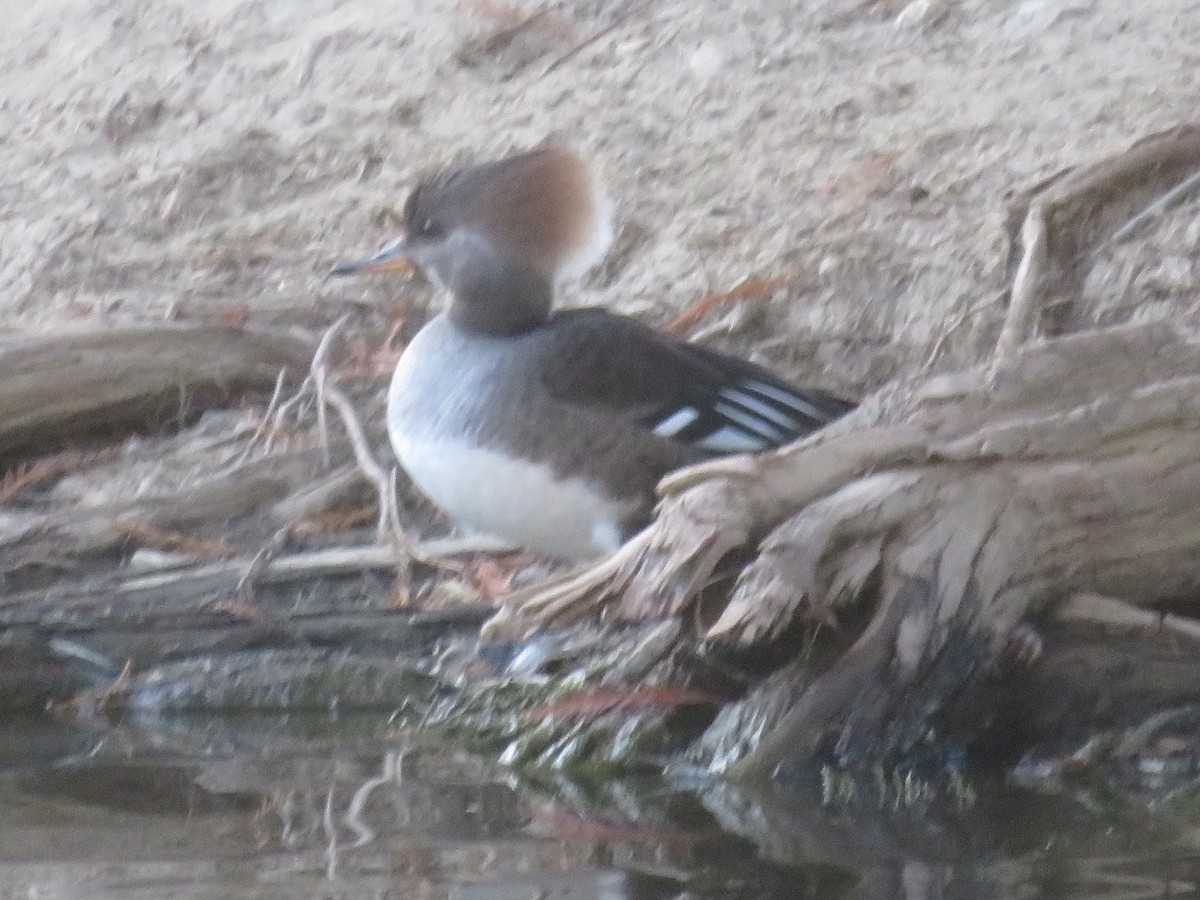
point(392, 258)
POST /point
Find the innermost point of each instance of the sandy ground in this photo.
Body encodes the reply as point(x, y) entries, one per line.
point(208, 160)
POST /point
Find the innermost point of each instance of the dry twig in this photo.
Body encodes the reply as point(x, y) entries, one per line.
point(175, 541)
point(758, 288)
point(317, 369)
point(1059, 221)
point(620, 19)
point(1157, 208)
point(18, 480)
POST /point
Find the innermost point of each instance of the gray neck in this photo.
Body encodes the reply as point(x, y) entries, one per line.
point(490, 292)
point(509, 301)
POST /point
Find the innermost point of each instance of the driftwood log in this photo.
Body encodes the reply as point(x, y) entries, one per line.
point(928, 525)
point(81, 387)
point(66, 383)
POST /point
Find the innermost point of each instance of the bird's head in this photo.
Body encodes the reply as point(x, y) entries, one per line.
point(501, 237)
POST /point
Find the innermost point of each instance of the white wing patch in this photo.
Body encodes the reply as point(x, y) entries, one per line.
point(746, 417)
point(787, 399)
point(677, 421)
point(732, 440)
point(754, 426)
point(760, 408)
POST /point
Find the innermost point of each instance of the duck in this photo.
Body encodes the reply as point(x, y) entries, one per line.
point(550, 429)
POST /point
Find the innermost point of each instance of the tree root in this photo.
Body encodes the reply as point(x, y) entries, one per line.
point(954, 507)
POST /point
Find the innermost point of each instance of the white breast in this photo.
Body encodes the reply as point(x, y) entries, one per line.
point(514, 499)
point(443, 394)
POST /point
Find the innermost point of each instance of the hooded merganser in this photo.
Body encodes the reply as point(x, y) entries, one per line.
point(547, 429)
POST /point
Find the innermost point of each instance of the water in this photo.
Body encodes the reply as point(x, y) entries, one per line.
point(294, 808)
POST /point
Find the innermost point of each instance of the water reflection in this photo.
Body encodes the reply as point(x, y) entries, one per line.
point(297, 808)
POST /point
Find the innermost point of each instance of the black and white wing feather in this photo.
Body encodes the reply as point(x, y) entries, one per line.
point(714, 403)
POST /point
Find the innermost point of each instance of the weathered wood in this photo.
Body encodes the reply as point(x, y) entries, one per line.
point(971, 503)
point(202, 609)
point(61, 384)
point(1055, 226)
point(953, 507)
point(34, 537)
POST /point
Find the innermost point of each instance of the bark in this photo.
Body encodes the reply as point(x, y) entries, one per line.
point(60, 386)
point(259, 488)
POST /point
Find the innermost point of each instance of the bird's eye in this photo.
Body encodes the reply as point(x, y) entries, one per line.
point(430, 229)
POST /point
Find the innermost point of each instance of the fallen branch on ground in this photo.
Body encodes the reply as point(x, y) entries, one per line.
point(59, 386)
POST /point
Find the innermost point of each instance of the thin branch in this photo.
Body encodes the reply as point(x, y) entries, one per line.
point(286, 407)
point(265, 421)
point(367, 464)
point(959, 319)
point(331, 849)
point(592, 38)
point(319, 373)
point(260, 562)
point(1157, 208)
point(1025, 300)
point(354, 811)
point(392, 513)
